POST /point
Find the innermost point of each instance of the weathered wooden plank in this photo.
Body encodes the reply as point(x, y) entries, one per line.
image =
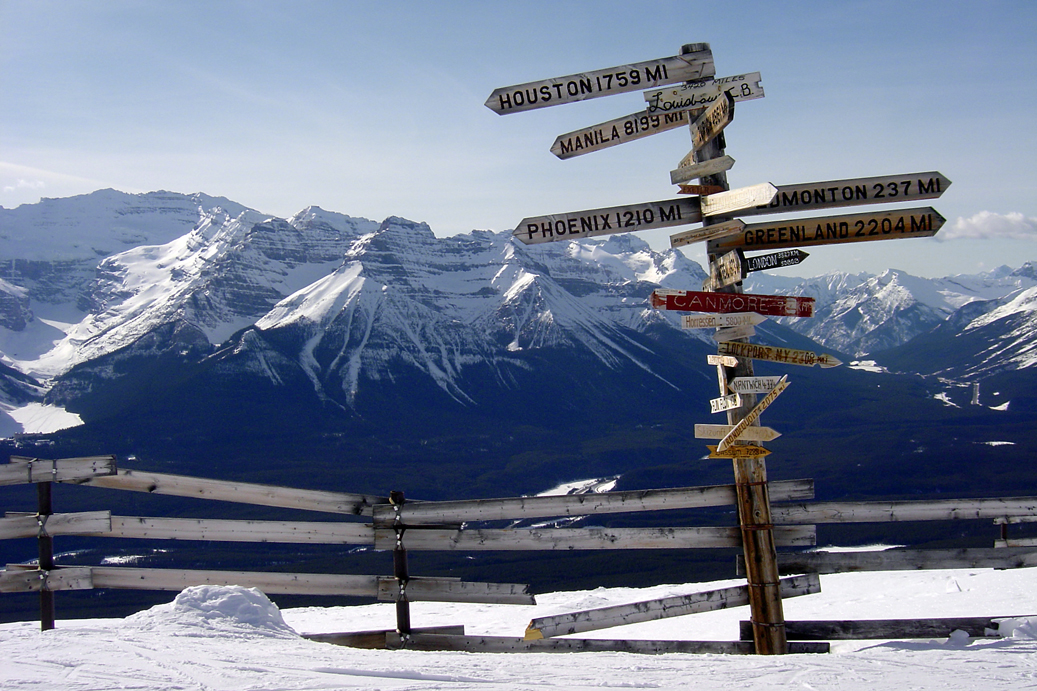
point(269, 582)
point(241, 492)
point(23, 470)
point(903, 560)
point(83, 523)
point(375, 640)
point(1012, 520)
point(22, 580)
point(450, 590)
point(921, 510)
point(550, 539)
point(872, 629)
point(501, 644)
point(688, 169)
point(515, 508)
point(748, 434)
point(295, 532)
point(615, 132)
point(663, 608)
point(606, 221)
point(1016, 542)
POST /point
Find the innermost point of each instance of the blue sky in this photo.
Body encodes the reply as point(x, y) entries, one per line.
point(376, 109)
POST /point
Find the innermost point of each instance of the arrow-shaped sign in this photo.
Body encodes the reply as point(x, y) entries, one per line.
point(722, 361)
point(721, 321)
point(727, 442)
point(615, 219)
point(701, 190)
point(788, 356)
point(710, 232)
point(712, 122)
point(612, 80)
point(719, 405)
point(738, 452)
point(750, 433)
point(700, 94)
point(776, 260)
point(734, 333)
point(698, 301)
point(739, 199)
point(616, 132)
point(687, 169)
point(752, 384)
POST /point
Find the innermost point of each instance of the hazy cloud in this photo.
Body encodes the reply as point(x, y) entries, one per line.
point(987, 224)
point(25, 185)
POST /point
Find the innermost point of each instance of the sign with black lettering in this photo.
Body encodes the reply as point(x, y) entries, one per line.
point(721, 321)
point(615, 219)
point(703, 93)
point(687, 169)
point(615, 132)
point(717, 230)
point(752, 384)
point(836, 193)
point(737, 452)
point(712, 121)
point(789, 356)
point(729, 402)
point(833, 230)
point(701, 190)
point(769, 305)
point(734, 201)
point(726, 444)
point(606, 82)
point(727, 270)
point(776, 260)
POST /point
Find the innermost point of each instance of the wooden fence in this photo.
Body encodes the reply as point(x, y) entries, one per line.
point(395, 524)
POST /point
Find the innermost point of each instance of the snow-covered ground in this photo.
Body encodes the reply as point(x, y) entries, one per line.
point(215, 638)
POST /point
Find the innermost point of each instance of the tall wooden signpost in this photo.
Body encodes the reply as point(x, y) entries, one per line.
point(707, 105)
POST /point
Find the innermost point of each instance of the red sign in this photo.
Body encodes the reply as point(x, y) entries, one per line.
point(769, 305)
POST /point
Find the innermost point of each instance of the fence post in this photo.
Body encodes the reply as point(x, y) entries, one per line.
point(399, 566)
point(46, 562)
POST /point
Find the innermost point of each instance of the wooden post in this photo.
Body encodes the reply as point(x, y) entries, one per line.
point(46, 563)
point(399, 566)
point(754, 508)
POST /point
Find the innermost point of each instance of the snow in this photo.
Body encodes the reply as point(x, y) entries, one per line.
point(867, 366)
point(222, 638)
point(36, 418)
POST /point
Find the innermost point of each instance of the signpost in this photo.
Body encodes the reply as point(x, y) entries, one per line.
point(834, 230)
point(688, 169)
point(712, 122)
point(721, 321)
point(700, 94)
point(697, 64)
point(769, 305)
point(789, 356)
point(752, 384)
point(718, 230)
point(777, 260)
point(753, 415)
point(739, 199)
point(615, 219)
point(885, 189)
point(751, 433)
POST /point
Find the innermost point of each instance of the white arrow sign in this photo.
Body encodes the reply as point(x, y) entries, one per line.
point(719, 405)
point(752, 384)
point(734, 333)
point(687, 169)
point(748, 434)
point(721, 321)
point(615, 219)
point(710, 232)
point(739, 199)
point(742, 87)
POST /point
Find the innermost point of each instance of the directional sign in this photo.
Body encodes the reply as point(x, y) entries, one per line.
point(720, 321)
point(701, 190)
point(752, 384)
point(734, 333)
point(742, 87)
point(776, 260)
point(615, 132)
point(770, 305)
point(728, 269)
point(722, 360)
point(749, 434)
point(730, 402)
point(774, 354)
point(833, 230)
point(716, 230)
point(726, 444)
point(738, 452)
point(712, 122)
point(615, 219)
point(613, 80)
point(687, 169)
point(854, 192)
point(738, 200)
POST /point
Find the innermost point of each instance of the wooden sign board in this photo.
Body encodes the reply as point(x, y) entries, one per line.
point(752, 384)
point(606, 82)
point(703, 93)
point(726, 444)
point(616, 132)
point(734, 333)
point(712, 122)
point(700, 190)
point(775, 260)
point(737, 452)
point(830, 194)
point(728, 269)
point(833, 230)
point(738, 200)
point(789, 356)
point(768, 305)
point(688, 169)
point(751, 433)
point(615, 219)
point(710, 232)
point(719, 405)
point(722, 360)
point(721, 321)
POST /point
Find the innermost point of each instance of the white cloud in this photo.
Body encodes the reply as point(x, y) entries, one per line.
point(23, 184)
point(987, 224)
